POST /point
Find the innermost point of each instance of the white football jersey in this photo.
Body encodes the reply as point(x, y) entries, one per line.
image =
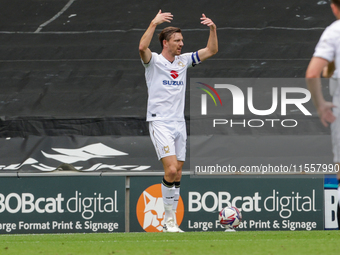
point(328, 46)
point(166, 82)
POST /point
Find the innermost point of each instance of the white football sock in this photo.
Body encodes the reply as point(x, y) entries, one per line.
point(168, 194)
point(175, 204)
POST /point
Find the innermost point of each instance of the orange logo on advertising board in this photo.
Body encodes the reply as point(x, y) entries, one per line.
point(150, 209)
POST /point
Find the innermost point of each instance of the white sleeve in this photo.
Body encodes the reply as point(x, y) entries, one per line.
point(151, 60)
point(326, 46)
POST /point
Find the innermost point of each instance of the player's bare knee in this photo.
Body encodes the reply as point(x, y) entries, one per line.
point(171, 172)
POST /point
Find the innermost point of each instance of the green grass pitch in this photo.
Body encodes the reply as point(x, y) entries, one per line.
point(242, 242)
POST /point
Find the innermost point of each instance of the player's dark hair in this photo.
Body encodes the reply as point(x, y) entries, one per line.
point(336, 2)
point(166, 34)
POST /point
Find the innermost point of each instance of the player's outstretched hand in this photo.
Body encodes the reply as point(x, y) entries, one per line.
point(207, 21)
point(162, 17)
point(326, 114)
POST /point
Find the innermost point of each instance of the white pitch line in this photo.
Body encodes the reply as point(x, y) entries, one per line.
point(142, 29)
point(125, 59)
point(55, 16)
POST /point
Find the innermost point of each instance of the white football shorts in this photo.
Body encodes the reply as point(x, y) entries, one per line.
point(335, 126)
point(169, 138)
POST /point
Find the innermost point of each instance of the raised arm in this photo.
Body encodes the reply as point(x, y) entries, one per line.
point(323, 107)
point(144, 51)
point(212, 45)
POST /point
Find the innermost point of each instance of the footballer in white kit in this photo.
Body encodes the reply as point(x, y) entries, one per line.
point(166, 84)
point(327, 48)
point(326, 51)
point(165, 75)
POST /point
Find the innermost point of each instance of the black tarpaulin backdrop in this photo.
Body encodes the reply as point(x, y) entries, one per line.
point(78, 74)
point(83, 67)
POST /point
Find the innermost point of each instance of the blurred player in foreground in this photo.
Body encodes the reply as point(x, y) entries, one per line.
point(328, 50)
point(165, 76)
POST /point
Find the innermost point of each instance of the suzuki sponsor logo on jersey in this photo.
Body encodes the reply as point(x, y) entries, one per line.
point(174, 75)
point(150, 209)
point(173, 83)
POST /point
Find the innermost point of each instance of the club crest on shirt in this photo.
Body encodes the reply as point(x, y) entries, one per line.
point(166, 149)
